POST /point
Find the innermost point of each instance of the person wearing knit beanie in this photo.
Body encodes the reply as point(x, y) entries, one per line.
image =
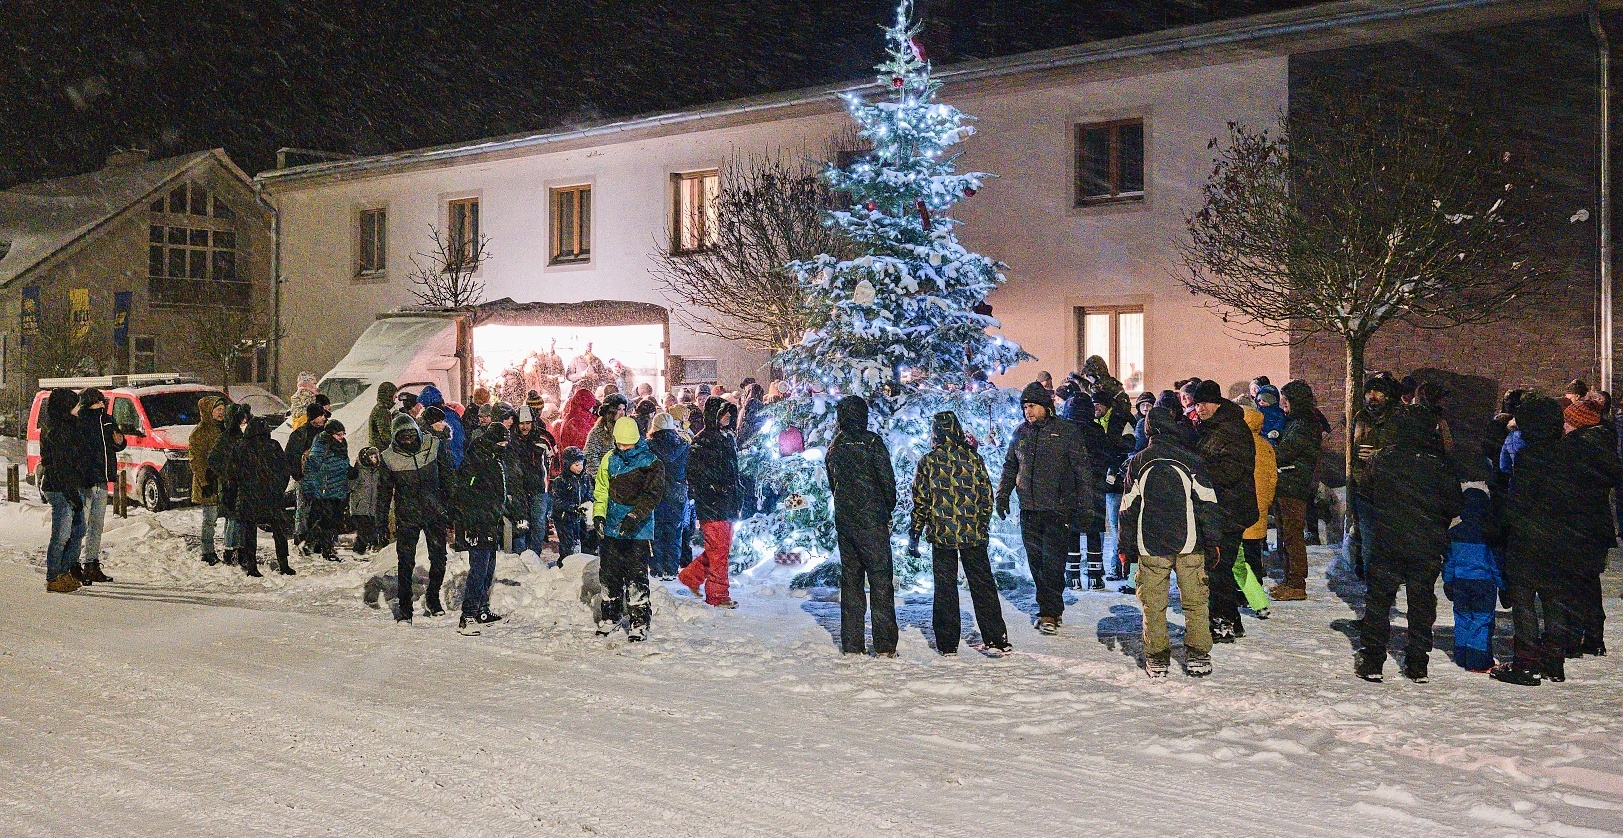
point(629, 487)
point(1579, 415)
point(1208, 392)
point(534, 402)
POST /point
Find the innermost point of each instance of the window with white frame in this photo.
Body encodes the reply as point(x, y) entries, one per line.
point(571, 224)
point(372, 234)
point(1116, 334)
point(694, 217)
point(1110, 162)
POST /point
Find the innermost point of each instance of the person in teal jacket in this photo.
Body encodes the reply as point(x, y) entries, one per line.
point(630, 485)
point(326, 483)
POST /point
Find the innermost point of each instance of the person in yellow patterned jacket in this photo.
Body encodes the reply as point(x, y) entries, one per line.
point(952, 509)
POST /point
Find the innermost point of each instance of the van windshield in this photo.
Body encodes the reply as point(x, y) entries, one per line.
point(166, 409)
point(342, 391)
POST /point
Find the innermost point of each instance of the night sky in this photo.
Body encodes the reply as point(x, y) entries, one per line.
point(80, 78)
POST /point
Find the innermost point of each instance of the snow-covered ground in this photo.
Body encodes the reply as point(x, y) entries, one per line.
point(187, 700)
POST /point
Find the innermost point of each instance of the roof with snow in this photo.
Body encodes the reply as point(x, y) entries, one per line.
point(39, 220)
point(1315, 27)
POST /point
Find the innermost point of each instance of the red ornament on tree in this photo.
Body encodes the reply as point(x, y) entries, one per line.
point(969, 192)
point(790, 441)
point(897, 81)
point(924, 213)
point(870, 206)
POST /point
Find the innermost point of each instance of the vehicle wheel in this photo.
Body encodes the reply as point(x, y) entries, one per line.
point(149, 487)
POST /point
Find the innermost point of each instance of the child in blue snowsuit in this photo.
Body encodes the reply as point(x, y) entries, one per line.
point(1471, 580)
point(1273, 416)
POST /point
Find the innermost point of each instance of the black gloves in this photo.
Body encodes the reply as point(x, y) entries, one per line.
point(1002, 508)
point(629, 526)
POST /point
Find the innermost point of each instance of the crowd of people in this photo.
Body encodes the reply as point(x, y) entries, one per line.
point(1184, 484)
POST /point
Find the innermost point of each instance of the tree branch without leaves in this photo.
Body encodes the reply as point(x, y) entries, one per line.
point(768, 213)
point(443, 277)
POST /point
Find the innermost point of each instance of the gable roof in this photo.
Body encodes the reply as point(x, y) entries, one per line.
point(1306, 28)
point(39, 220)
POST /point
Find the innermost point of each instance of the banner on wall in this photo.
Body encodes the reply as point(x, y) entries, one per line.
point(30, 314)
point(121, 318)
point(79, 305)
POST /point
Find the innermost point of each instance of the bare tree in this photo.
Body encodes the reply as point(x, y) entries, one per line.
point(769, 212)
point(443, 276)
point(220, 335)
point(1383, 206)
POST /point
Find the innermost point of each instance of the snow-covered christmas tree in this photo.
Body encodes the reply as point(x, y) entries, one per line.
point(907, 323)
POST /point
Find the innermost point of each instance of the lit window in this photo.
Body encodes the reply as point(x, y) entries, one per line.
point(1116, 334)
point(1110, 162)
point(694, 226)
point(571, 224)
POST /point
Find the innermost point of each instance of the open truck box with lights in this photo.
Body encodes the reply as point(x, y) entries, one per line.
point(508, 347)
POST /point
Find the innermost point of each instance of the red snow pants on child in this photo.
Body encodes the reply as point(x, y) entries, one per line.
point(710, 568)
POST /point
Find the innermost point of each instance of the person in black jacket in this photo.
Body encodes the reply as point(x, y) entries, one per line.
point(1589, 432)
point(1297, 458)
point(416, 473)
point(1415, 495)
point(219, 462)
point(1167, 490)
point(1228, 450)
point(298, 444)
point(1557, 529)
point(864, 488)
point(534, 448)
point(571, 488)
point(713, 483)
point(102, 442)
point(1080, 412)
point(482, 499)
point(255, 488)
point(1047, 466)
point(61, 479)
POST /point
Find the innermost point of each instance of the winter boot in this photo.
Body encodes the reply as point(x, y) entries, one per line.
point(1197, 664)
point(230, 556)
point(1367, 665)
point(81, 574)
point(1510, 673)
point(282, 566)
point(1555, 670)
point(1156, 666)
point(64, 583)
point(465, 629)
point(1414, 668)
point(1073, 575)
point(1096, 580)
point(1593, 646)
point(433, 608)
point(606, 628)
point(210, 559)
point(1222, 631)
point(250, 567)
point(1288, 591)
point(1047, 625)
point(637, 634)
point(93, 570)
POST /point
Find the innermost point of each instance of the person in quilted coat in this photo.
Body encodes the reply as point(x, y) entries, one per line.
point(952, 508)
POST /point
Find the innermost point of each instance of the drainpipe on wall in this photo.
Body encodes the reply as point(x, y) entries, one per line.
point(1604, 47)
point(276, 286)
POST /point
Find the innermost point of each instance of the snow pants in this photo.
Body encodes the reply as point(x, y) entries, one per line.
point(865, 557)
point(569, 528)
point(669, 519)
point(944, 616)
point(1154, 589)
point(406, 563)
point(709, 570)
point(481, 575)
point(1047, 537)
point(1225, 592)
point(1474, 602)
point(623, 570)
point(1248, 579)
point(1383, 575)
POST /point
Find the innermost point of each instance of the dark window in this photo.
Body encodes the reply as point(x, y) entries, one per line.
point(166, 409)
point(223, 210)
point(143, 359)
point(571, 224)
point(157, 206)
point(1110, 162)
point(374, 232)
point(155, 260)
point(177, 200)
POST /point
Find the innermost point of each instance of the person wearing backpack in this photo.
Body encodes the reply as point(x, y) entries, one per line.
point(952, 507)
point(1170, 521)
